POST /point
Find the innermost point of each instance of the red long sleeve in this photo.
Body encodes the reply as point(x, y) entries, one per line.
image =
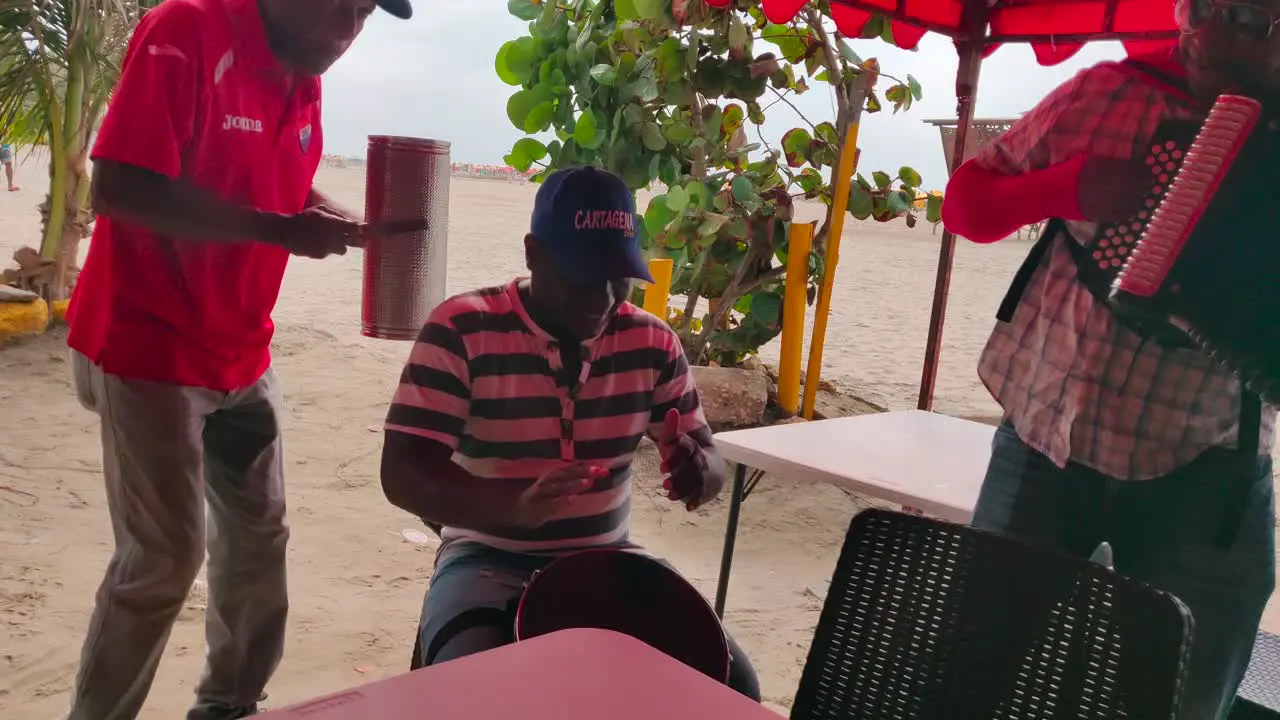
point(985, 206)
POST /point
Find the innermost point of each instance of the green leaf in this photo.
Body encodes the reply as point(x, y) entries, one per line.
point(742, 189)
point(658, 215)
point(521, 105)
point(731, 119)
point(847, 53)
point(766, 309)
point(811, 181)
point(524, 9)
point(626, 10)
point(652, 137)
point(680, 133)
point(525, 152)
point(860, 201)
point(711, 224)
point(711, 120)
point(605, 75)
point(826, 132)
point(539, 117)
point(914, 84)
point(899, 203)
point(649, 9)
point(670, 171)
point(739, 37)
point(669, 59)
point(795, 145)
point(909, 177)
point(882, 179)
point(886, 33)
point(645, 87)
point(789, 40)
point(699, 196)
point(586, 133)
point(677, 198)
point(514, 62)
point(933, 208)
point(873, 27)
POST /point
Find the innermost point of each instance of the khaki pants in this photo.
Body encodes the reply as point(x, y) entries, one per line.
point(167, 452)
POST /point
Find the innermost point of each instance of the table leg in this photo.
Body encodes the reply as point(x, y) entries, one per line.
point(730, 537)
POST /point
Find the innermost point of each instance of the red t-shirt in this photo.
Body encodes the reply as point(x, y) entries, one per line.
point(200, 98)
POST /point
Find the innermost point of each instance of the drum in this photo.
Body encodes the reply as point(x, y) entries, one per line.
point(631, 593)
point(407, 182)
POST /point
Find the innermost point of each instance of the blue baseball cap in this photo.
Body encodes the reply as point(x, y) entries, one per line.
point(584, 220)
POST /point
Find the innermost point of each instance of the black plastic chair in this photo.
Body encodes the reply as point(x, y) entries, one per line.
point(1259, 697)
point(929, 620)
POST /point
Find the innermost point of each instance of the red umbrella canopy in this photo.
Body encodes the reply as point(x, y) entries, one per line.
point(1056, 29)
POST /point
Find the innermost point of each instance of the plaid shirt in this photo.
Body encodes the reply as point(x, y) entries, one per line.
point(1075, 384)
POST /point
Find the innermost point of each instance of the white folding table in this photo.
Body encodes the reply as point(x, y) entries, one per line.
point(926, 461)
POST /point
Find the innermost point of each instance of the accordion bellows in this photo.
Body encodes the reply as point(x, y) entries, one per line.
point(1208, 260)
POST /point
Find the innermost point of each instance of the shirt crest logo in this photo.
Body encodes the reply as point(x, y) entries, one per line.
point(304, 137)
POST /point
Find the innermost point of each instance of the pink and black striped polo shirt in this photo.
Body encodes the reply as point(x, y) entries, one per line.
point(482, 379)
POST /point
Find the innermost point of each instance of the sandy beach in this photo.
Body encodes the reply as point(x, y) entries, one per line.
point(356, 582)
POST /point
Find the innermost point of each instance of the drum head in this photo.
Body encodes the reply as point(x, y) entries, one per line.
point(629, 593)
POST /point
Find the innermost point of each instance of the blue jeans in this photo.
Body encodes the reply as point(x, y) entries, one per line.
point(1161, 531)
point(470, 575)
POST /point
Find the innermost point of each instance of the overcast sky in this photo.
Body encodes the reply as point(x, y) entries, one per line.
point(433, 77)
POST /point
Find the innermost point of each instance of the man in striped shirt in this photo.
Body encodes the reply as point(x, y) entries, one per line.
point(519, 412)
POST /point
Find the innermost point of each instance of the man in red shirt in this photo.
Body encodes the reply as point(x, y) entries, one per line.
point(203, 174)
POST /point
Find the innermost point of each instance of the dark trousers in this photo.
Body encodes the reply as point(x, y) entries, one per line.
point(1161, 531)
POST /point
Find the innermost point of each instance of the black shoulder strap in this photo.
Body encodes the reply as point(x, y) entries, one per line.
point(1022, 278)
point(1240, 487)
point(1167, 81)
point(1156, 73)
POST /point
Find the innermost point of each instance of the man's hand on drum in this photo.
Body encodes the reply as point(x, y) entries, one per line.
point(317, 232)
point(694, 472)
point(321, 231)
point(542, 500)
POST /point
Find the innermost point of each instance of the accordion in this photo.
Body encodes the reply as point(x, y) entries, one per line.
point(1201, 264)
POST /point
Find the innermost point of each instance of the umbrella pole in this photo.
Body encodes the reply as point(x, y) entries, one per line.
point(966, 90)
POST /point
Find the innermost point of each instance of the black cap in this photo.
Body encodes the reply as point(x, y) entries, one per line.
point(399, 8)
point(585, 220)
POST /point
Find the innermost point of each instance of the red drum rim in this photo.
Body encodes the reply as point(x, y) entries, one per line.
point(521, 620)
point(379, 333)
point(404, 142)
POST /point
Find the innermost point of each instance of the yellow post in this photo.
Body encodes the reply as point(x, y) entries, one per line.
point(793, 305)
point(657, 293)
point(839, 206)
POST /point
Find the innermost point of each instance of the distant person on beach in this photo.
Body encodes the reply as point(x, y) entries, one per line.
point(6, 159)
point(519, 412)
point(1108, 435)
point(202, 179)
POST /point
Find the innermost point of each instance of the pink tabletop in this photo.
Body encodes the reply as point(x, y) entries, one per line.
point(567, 675)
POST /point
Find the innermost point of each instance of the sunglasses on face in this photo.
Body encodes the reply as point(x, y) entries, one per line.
point(1244, 18)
